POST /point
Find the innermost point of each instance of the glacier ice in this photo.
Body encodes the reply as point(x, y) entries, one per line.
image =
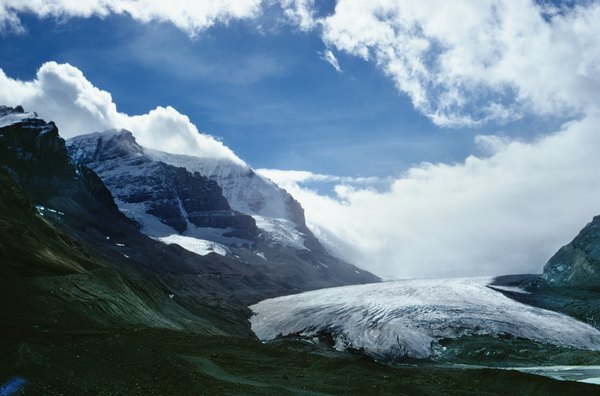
point(407, 318)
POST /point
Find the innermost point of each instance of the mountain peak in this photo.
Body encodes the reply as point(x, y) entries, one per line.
point(102, 146)
point(13, 115)
point(5, 110)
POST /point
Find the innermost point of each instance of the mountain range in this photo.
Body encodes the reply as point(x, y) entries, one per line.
point(130, 271)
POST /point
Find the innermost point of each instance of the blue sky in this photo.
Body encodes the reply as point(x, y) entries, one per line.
point(481, 118)
point(266, 92)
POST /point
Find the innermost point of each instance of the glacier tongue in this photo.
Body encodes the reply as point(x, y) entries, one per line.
point(407, 318)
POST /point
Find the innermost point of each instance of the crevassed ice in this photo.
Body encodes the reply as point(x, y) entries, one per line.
point(407, 318)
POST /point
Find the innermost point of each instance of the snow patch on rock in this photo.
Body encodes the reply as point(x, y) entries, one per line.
point(195, 245)
point(280, 231)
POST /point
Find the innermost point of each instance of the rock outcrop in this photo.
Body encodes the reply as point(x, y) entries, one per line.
point(577, 263)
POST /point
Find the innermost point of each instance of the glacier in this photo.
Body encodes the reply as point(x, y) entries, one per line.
point(408, 318)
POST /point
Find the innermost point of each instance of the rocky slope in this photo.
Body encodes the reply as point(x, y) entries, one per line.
point(570, 282)
point(245, 190)
point(577, 263)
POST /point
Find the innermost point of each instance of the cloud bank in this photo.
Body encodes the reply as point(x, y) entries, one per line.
point(462, 63)
point(61, 93)
point(506, 213)
point(468, 63)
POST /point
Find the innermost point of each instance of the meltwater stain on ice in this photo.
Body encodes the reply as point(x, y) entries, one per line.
point(407, 318)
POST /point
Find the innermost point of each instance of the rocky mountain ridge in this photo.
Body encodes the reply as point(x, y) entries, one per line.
point(578, 262)
point(76, 202)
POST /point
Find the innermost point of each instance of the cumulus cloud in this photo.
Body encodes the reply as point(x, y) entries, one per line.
point(60, 92)
point(465, 63)
point(505, 213)
point(189, 15)
point(330, 58)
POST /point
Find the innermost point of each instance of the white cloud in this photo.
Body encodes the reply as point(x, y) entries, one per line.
point(60, 92)
point(461, 62)
point(468, 63)
point(189, 15)
point(300, 13)
point(330, 58)
point(506, 213)
point(287, 178)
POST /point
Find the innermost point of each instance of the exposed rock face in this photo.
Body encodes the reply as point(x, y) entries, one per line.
point(278, 215)
point(36, 157)
point(177, 197)
point(578, 263)
point(245, 190)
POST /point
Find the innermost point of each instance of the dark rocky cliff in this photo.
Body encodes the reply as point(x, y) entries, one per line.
point(577, 263)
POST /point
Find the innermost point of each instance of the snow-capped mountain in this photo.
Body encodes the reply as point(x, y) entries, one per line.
point(245, 190)
point(276, 212)
point(162, 198)
point(408, 318)
point(169, 188)
point(59, 217)
point(207, 205)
